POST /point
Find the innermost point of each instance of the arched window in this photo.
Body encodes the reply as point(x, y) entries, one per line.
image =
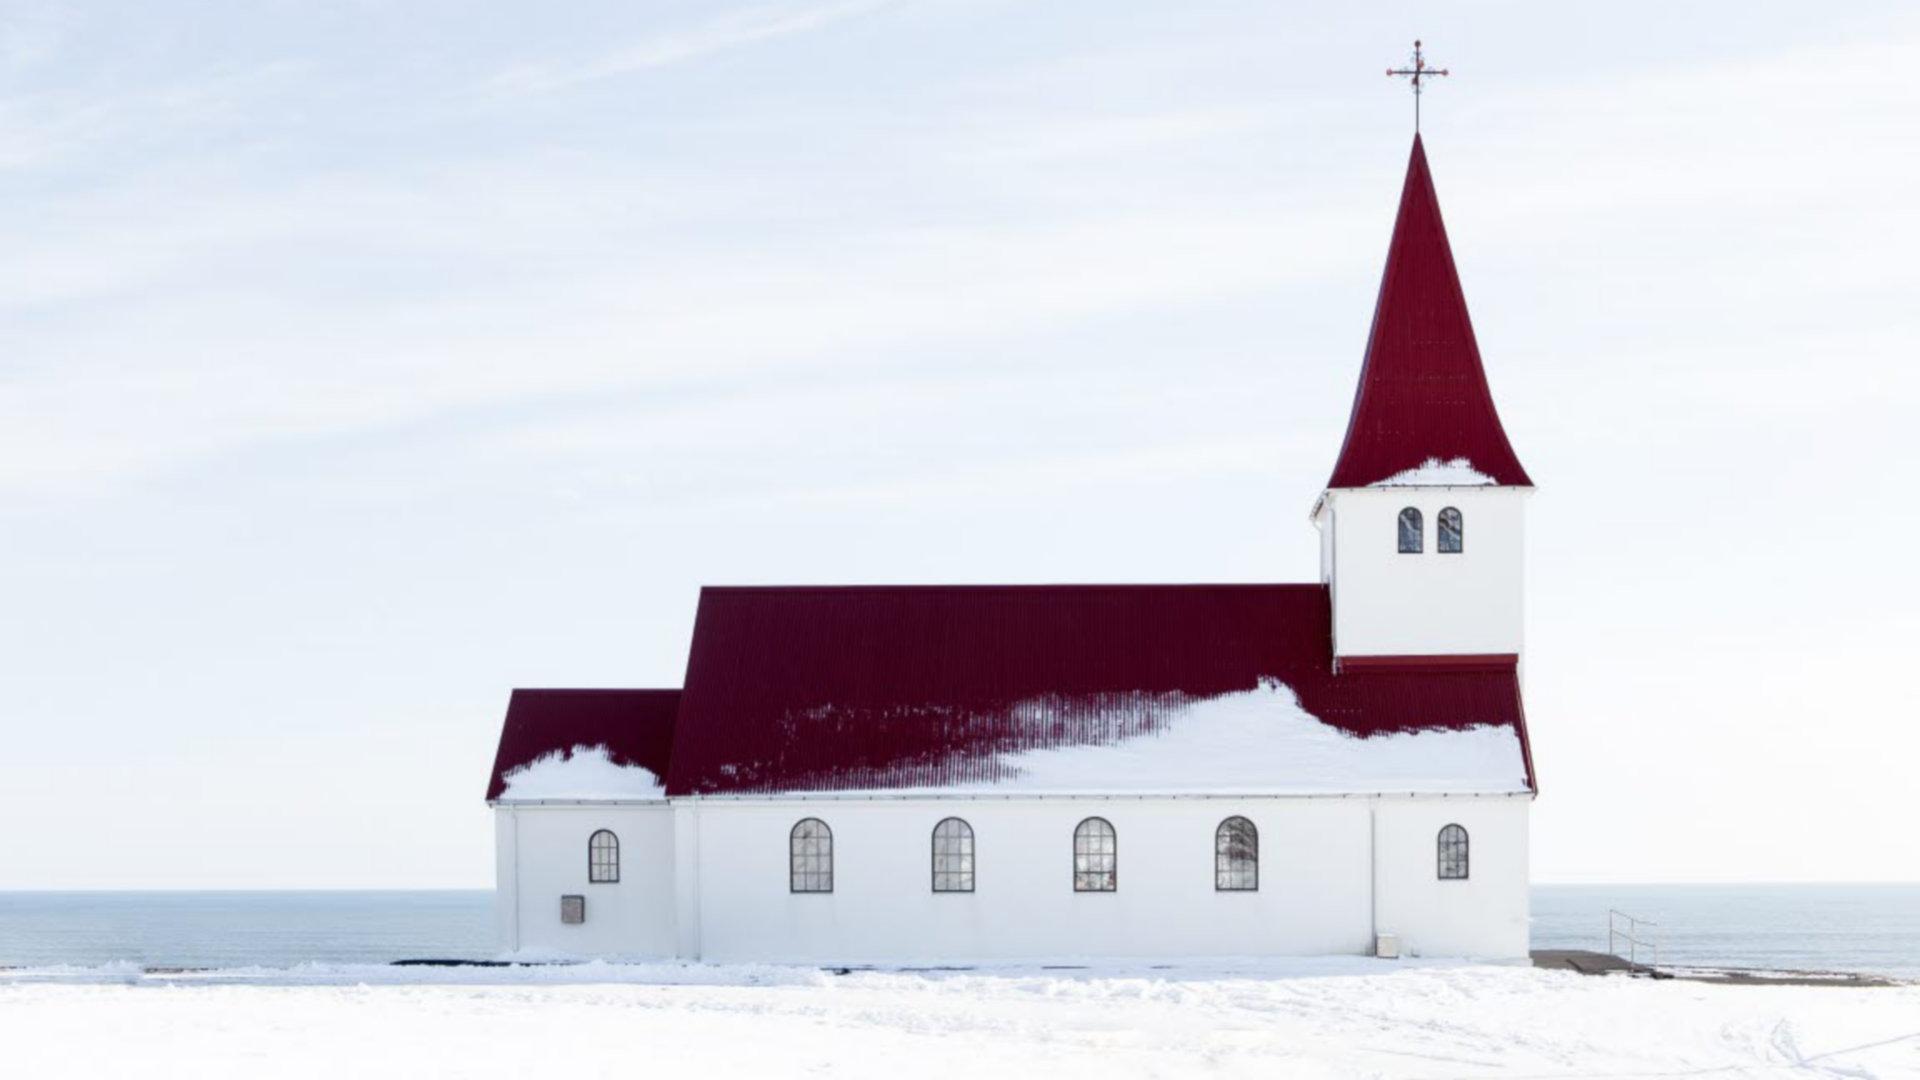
point(953, 856)
point(1236, 856)
point(1450, 539)
point(603, 857)
point(1453, 853)
point(1412, 532)
point(811, 850)
point(1095, 857)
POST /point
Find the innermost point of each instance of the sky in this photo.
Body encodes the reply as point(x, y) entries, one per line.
point(361, 361)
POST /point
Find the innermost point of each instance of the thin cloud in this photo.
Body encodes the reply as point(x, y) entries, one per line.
point(745, 26)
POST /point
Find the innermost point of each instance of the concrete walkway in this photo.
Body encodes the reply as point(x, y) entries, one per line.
point(1599, 963)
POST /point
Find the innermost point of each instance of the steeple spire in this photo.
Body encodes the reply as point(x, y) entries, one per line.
point(1423, 395)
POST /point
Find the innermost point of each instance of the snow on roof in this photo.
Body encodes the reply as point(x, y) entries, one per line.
point(1423, 391)
point(1436, 473)
point(581, 772)
point(1257, 740)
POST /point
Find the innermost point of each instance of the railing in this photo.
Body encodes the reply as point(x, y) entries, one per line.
point(1623, 928)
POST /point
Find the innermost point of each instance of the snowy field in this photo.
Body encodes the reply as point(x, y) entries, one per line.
point(1334, 1018)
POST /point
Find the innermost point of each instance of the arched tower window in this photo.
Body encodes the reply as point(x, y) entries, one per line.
point(953, 856)
point(603, 857)
point(1451, 537)
point(1095, 857)
point(811, 850)
point(1453, 853)
point(1236, 856)
point(1413, 538)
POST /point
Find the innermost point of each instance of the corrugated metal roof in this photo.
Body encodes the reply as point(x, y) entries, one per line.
point(636, 727)
point(825, 689)
point(1423, 393)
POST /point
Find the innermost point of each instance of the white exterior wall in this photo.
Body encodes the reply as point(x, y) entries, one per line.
point(1390, 604)
point(542, 856)
point(1313, 895)
point(1316, 895)
point(708, 879)
point(1487, 914)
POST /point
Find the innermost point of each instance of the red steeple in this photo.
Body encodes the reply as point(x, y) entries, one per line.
point(1422, 394)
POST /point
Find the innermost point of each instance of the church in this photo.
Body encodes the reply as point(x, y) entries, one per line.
point(1039, 773)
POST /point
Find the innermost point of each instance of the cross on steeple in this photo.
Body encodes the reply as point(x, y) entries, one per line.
point(1417, 72)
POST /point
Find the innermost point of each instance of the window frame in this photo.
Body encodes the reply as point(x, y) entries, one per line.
point(812, 875)
point(1112, 856)
point(1222, 864)
point(1419, 521)
point(971, 847)
point(1459, 532)
point(1461, 853)
point(596, 866)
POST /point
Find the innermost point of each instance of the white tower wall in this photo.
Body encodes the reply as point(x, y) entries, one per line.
point(1389, 603)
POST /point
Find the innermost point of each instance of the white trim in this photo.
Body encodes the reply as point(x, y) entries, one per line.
point(977, 796)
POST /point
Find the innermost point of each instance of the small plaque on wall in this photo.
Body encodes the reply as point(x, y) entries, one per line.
point(573, 910)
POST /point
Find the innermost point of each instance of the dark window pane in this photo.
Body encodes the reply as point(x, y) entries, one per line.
point(1412, 532)
point(1453, 853)
point(603, 857)
point(811, 857)
point(1236, 856)
point(1450, 538)
point(953, 856)
point(1094, 857)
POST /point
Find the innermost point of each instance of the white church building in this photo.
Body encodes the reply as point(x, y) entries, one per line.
point(953, 774)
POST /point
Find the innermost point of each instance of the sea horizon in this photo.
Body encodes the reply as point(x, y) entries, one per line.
point(1866, 927)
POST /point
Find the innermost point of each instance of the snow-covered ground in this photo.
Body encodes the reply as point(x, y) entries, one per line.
point(1329, 1018)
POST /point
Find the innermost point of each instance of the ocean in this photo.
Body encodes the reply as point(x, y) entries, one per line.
point(1864, 928)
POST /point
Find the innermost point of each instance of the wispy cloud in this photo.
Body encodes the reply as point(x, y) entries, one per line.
point(641, 320)
point(52, 128)
point(1038, 138)
point(744, 26)
point(29, 38)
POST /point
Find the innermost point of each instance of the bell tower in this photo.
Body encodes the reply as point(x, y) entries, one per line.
point(1422, 523)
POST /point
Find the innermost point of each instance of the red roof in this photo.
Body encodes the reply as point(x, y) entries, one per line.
point(874, 688)
point(636, 727)
point(1422, 393)
point(818, 689)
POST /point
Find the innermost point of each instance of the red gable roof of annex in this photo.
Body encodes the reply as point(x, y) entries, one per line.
point(636, 727)
point(1423, 393)
point(822, 689)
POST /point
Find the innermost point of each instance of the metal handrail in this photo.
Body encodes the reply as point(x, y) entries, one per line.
point(1632, 935)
